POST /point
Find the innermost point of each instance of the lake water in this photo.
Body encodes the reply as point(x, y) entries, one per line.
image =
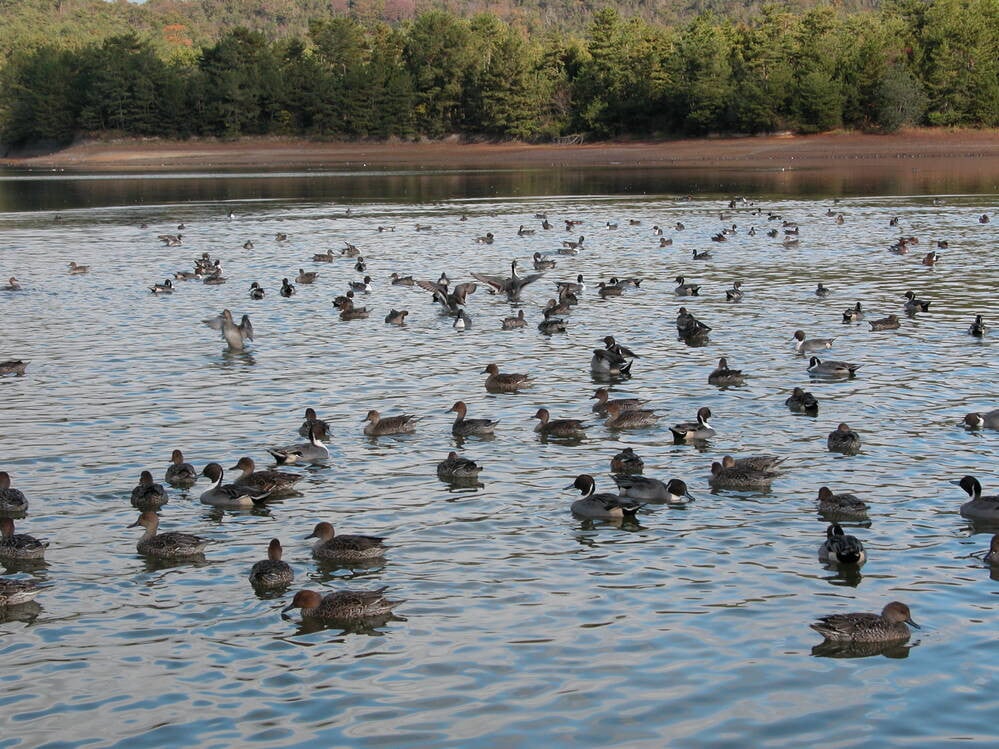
point(521, 624)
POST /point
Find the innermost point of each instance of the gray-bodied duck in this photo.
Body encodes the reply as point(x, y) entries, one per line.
point(983, 508)
point(888, 626)
point(914, 305)
point(230, 495)
point(727, 475)
point(978, 420)
point(313, 451)
point(173, 545)
point(604, 506)
point(841, 548)
point(831, 369)
point(699, 429)
point(512, 323)
point(807, 345)
point(312, 420)
point(673, 492)
point(271, 572)
point(344, 548)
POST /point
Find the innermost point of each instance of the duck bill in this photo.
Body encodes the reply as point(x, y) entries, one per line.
point(287, 608)
point(912, 623)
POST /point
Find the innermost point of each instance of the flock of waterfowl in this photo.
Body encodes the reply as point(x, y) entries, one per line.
point(610, 364)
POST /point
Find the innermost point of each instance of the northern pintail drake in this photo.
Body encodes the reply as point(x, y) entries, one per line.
point(699, 429)
point(12, 501)
point(271, 572)
point(397, 317)
point(807, 346)
point(723, 376)
point(510, 286)
point(552, 325)
point(15, 592)
point(604, 401)
point(607, 363)
point(350, 250)
point(886, 323)
point(456, 468)
point(627, 461)
point(841, 548)
point(287, 288)
point(931, 258)
point(978, 508)
point(562, 428)
point(978, 327)
point(323, 257)
point(500, 382)
point(542, 263)
point(377, 426)
point(689, 327)
point(853, 314)
point(230, 495)
point(256, 291)
point(727, 475)
point(342, 605)
point(735, 294)
point(914, 305)
point(344, 548)
point(486, 238)
point(512, 323)
point(573, 244)
point(306, 277)
point(686, 289)
point(171, 545)
point(603, 506)
point(463, 427)
point(313, 421)
point(15, 367)
point(248, 244)
point(888, 626)
point(821, 290)
point(462, 321)
point(179, 473)
point(162, 288)
point(148, 495)
point(313, 451)
point(76, 270)
point(619, 417)
point(842, 506)
point(977, 420)
point(992, 556)
point(523, 231)
point(830, 368)
point(19, 546)
point(275, 483)
point(363, 286)
point(801, 401)
point(673, 492)
point(12, 285)
point(577, 287)
point(843, 440)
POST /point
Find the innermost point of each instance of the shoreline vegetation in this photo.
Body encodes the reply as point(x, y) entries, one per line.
point(917, 149)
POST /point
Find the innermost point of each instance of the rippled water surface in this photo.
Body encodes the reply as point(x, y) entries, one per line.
point(521, 624)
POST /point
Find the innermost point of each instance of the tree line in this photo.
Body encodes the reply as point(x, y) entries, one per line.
point(913, 62)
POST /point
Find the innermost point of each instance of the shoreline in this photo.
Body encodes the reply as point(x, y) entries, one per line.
point(964, 149)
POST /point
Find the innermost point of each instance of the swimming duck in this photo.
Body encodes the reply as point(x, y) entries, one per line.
point(762, 463)
point(344, 548)
point(248, 244)
point(280, 237)
point(256, 291)
point(977, 420)
point(364, 285)
point(801, 401)
point(821, 290)
point(377, 426)
point(722, 376)
point(512, 323)
point(162, 288)
point(486, 238)
point(498, 382)
point(577, 287)
point(913, 305)
point(542, 263)
point(665, 242)
point(978, 327)
point(312, 420)
point(886, 323)
point(831, 368)
point(689, 327)
point(552, 325)
point(840, 548)
point(727, 475)
point(686, 289)
point(983, 219)
point(842, 506)
point(12, 501)
point(511, 286)
point(12, 285)
point(180, 474)
point(313, 451)
point(275, 483)
point(16, 592)
point(13, 366)
point(853, 314)
point(706, 254)
point(147, 495)
point(888, 626)
point(979, 507)
point(76, 270)
point(803, 346)
point(347, 309)
point(271, 572)
point(843, 440)
point(19, 546)
point(699, 429)
point(463, 427)
point(734, 294)
point(930, 258)
point(287, 289)
point(306, 277)
point(603, 506)
point(607, 363)
point(992, 556)
point(342, 605)
point(230, 495)
point(350, 250)
point(627, 461)
point(605, 290)
point(456, 468)
point(602, 396)
point(562, 428)
point(524, 231)
point(619, 417)
point(171, 545)
point(396, 317)
point(573, 244)
point(398, 280)
point(323, 257)
point(673, 492)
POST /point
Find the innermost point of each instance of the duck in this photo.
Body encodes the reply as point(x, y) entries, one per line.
point(665, 242)
point(689, 327)
point(575, 287)
point(831, 368)
point(603, 506)
point(312, 420)
point(456, 468)
point(914, 305)
point(542, 263)
point(888, 626)
point(605, 290)
point(978, 508)
point(276, 483)
point(512, 323)
point(573, 244)
point(735, 294)
point(350, 250)
point(552, 325)
point(983, 219)
point(173, 545)
point(853, 314)
point(344, 548)
point(978, 327)
point(728, 475)
point(722, 376)
point(561, 428)
point(235, 335)
point(523, 231)
point(396, 317)
point(511, 286)
point(347, 309)
point(15, 367)
point(801, 401)
point(306, 277)
point(463, 427)
point(699, 429)
point(230, 495)
point(287, 289)
point(271, 572)
point(686, 289)
point(397, 280)
point(12, 501)
point(885, 323)
point(323, 257)
point(180, 473)
point(977, 420)
point(76, 270)
point(673, 492)
point(486, 238)
point(706, 254)
point(377, 426)
point(342, 605)
point(619, 417)
point(248, 244)
point(498, 382)
point(313, 451)
point(148, 495)
point(162, 288)
point(992, 556)
point(364, 285)
point(627, 461)
point(762, 463)
point(256, 291)
point(845, 506)
point(16, 592)
point(930, 258)
point(843, 440)
point(604, 401)
point(12, 285)
point(19, 546)
point(841, 548)
point(821, 290)
point(607, 363)
point(807, 346)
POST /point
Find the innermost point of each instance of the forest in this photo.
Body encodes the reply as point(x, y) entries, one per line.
point(353, 70)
